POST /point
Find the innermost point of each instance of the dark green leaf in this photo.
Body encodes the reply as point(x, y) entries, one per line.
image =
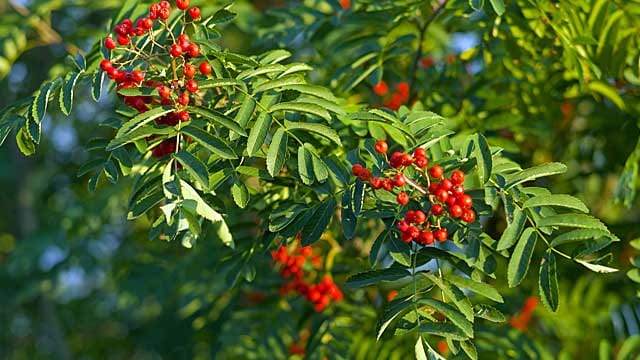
point(579, 235)
point(375, 276)
point(223, 16)
point(483, 157)
point(320, 129)
point(349, 220)
point(139, 133)
point(572, 220)
point(511, 233)
point(479, 288)
point(142, 119)
point(194, 203)
point(489, 313)
point(300, 106)
point(457, 318)
point(548, 281)
point(305, 165)
point(66, 94)
point(96, 85)
point(218, 118)
point(194, 166)
point(521, 257)
point(210, 142)
point(498, 6)
point(40, 101)
point(535, 172)
point(476, 4)
point(321, 218)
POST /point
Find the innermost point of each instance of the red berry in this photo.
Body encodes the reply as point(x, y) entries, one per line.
point(376, 183)
point(154, 11)
point(436, 171)
point(451, 200)
point(194, 12)
point(365, 175)
point(137, 76)
point(437, 209)
point(457, 190)
point(183, 40)
point(446, 184)
point(123, 40)
point(413, 232)
point(109, 43)
point(176, 50)
point(165, 4)
point(164, 12)
point(191, 86)
point(426, 238)
point(387, 184)
point(402, 225)
point(419, 152)
point(403, 90)
point(194, 50)
point(455, 211)
point(189, 70)
point(164, 91)
point(381, 88)
point(357, 169)
point(457, 177)
point(399, 180)
point(381, 147)
point(396, 160)
point(183, 116)
point(183, 99)
point(402, 198)
point(468, 215)
point(433, 187)
point(147, 23)
point(407, 160)
point(106, 65)
point(205, 68)
point(419, 217)
point(441, 234)
point(182, 4)
point(345, 4)
point(465, 201)
point(422, 162)
point(442, 195)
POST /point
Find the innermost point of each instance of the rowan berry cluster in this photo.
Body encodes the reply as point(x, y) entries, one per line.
point(399, 97)
point(441, 197)
point(297, 265)
point(170, 60)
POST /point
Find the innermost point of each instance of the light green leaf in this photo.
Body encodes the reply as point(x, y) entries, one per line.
point(457, 318)
point(607, 91)
point(320, 129)
point(300, 106)
point(274, 84)
point(476, 4)
point(479, 288)
point(305, 165)
point(560, 200)
point(488, 313)
point(139, 133)
point(193, 202)
point(194, 166)
point(240, 193)
point(470, 349)
point(511, 233)
point(498, 6)
point(572, 220)
point(258, 133)
point(96, 85)
point(535, 172)
point(24, 142)
point(521, 257)
point(421, 354)
point(579, 235)
point(210, 142)
point(596, 267)
point(277, 152)
point(249, 73)
point(40, 101)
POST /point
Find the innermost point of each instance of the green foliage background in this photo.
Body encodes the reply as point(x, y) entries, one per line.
point(546, 81)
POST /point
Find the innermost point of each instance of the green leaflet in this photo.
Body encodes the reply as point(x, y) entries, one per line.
point(302, 106)
point(560, 200)
point(66, 94)
point(277, 152)
point(322, 216)
point(194, 166)
point(218, 118)
point(548, 281)
point(375, 276)
point(511, 233)
point(521, 257)
point(319, 129)
point(258, 134)
point(215, 145)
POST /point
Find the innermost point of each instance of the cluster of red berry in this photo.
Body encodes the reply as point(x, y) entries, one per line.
point(173, 91)
point(292, 262)
point(417, 225)
point(521, 321)
point(399, 97)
